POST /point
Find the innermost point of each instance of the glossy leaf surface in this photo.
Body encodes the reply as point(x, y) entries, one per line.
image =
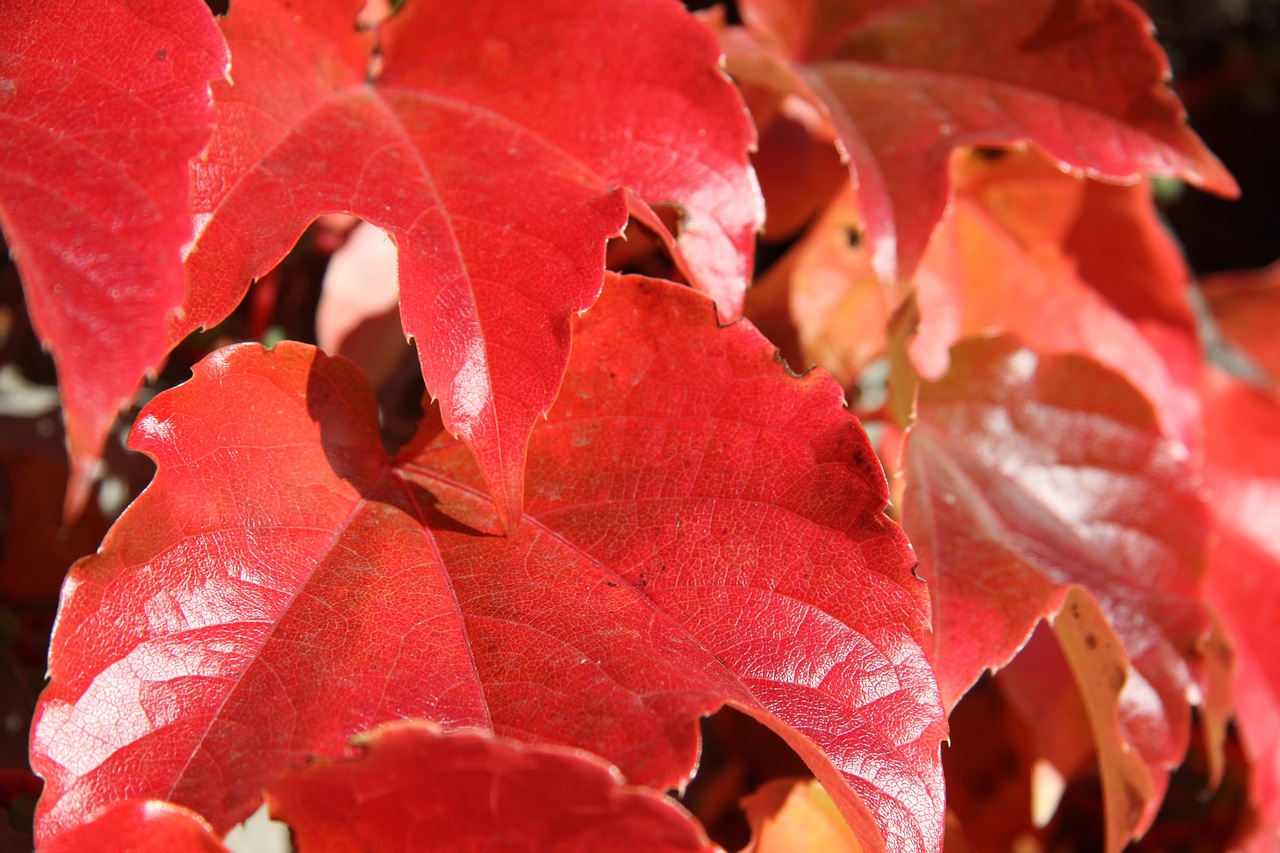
point(1243, 472)
point(415, 787)
point(102, 105)
point(903, 82)
point(702, 528)
point(490, 142)
point(1030, 482)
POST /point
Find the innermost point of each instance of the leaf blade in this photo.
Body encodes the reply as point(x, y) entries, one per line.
point(414, 785)
point(369, 594)
point(104, 103)
point(498, 173)
point(980, 72)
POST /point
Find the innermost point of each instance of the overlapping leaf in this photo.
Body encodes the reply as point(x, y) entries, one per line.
point(1072, 265)
point(903, 82)
point(139, 826)
point(415, 787)
point(358, 316)
point(102, 105)
point(796, 816)
point(491, 142)
point(1068, 265)
point(1243, 472)
point(1042, 486)
point(1246, 310)
point(822, 303)
point(701, 528)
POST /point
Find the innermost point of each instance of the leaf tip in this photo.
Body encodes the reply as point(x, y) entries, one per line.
point(80, 479)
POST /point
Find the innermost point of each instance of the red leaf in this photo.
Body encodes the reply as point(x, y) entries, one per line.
point(139, 826)
point(418, 788)
point(1246, 309)
point(903, 82)
point(102, 105)
point(1031, 477)
point(702, 528)
point(1070, 266)
point(1243, 474)
point(490, 147)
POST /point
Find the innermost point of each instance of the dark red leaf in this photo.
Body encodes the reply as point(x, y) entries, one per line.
point(1243, 473)
point(1038, 484)
point(415, 787)
point(490, 141)
point(37, 547)
point(702, 528)
point(102, 105)
point(903, 82)
point(139, 826)
point(989, 766)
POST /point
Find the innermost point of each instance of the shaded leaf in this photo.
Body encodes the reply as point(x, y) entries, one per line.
point(36, 548)
point(826, 290)
point(1068, 265)
point(693, 538)
point(796, 816)
point(1131, 791)
point(988, 763)
point(102, 105)
point(1243, 474)
point(415, 787)
point(358, 316)
point(1039, 685)
point(139, 826)
point(490, 142)
point(1246, 310)
point(903, 82)
point(1028, 477)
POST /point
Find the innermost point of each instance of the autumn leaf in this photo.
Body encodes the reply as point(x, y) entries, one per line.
point(796, 816)
point(1042, 488)
point(822, 303)
point(1072, 265)
point(358, 316)
point(903, 82)
point(415, 787)
point(1246, 309)
point(102, 105)
point(694, 537)
point(1069, 265)
point(139, 826)
point(493, 144)
point(1243, 474)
